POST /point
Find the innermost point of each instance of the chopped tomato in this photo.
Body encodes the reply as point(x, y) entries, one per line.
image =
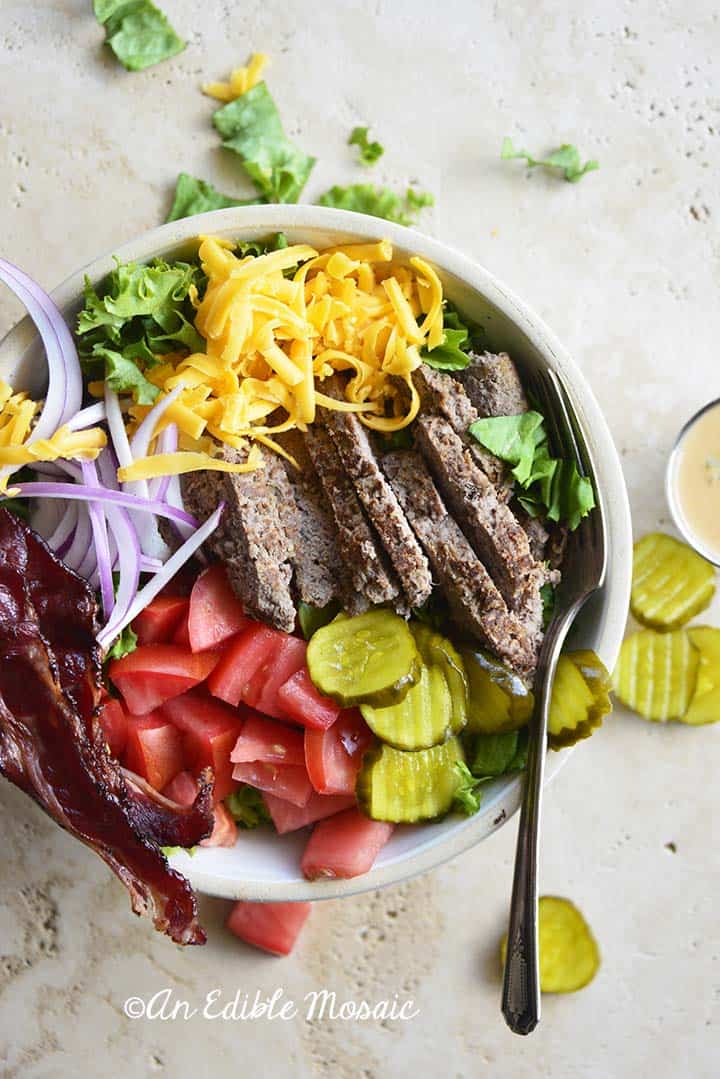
point(225, 830)
point(154, 673)
point(333, 757)
point(210, 731)
point(288, 781)
point(154, 749)
point(272, 927)
point(288, 818)
point(269, 741)
point(182, 789)
point(215, 611)
point(302, 703)
point(240, 660)
point(158, 621)
point(113, 722)
point(345, 845)
point(286, 656)
point(181, 635)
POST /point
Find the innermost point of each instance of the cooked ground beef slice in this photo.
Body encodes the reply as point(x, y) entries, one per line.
point(475, 601)
point(493, 385)
point(359, 547)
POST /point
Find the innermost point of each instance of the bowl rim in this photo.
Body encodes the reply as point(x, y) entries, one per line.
point(612, 611)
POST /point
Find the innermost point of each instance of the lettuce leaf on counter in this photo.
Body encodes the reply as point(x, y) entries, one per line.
point(251, 127)
point(566, 157)
point(370, 152)
point(547, 485)
point(193, 196)
point(137, 32)
point(139, 314)
point(378, 202)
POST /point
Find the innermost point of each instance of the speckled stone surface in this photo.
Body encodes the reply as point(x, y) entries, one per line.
point(625, 266)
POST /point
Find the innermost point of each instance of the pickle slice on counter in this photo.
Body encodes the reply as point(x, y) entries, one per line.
point(368, 658)
point(498, 700)
point(434, 707)
point(657, 673)
point(580, 698)
point(671, 583)
point(404, 787)
point(705, 704)
point(568, 952)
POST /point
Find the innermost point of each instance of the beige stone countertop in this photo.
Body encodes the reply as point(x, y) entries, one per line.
point(625, 267)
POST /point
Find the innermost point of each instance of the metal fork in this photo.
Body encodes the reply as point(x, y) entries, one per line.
point(584, 568)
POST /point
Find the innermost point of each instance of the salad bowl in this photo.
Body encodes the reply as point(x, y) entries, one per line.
point(264, 866)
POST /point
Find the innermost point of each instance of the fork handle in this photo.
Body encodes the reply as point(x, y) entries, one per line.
point(521, 981)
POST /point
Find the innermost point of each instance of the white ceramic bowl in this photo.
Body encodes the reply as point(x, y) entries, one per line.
point(266, 867)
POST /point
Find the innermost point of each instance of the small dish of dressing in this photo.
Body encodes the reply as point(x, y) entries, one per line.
point(693, 482)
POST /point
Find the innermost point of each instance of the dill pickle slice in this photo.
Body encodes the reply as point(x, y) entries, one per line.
point(705, 704)
point(657, 673)
point(434, 707)
point(671, 583)
point(404, 787)
point(498, 700)
point(580, 698)
point(369, 658)
point(568, 952)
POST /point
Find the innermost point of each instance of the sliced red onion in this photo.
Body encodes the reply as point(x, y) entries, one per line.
point(98, 523)
point(128, 548)
point(88, 417)
point(167, 443)
point(156, 585)
point(150, 565)
point(59, 540)
point(80, 493)
point(142, 438)
point(81, 544)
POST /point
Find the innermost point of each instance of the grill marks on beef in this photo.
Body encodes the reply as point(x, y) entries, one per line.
point(371, 576)
point(352, 442)
point(45, 747)
point(488, 523)
point(476, 603)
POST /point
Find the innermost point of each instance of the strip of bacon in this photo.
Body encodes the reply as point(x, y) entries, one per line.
point(45, 745)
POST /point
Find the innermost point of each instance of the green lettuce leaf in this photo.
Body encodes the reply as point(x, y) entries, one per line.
point(124, 645)
point(547, 485)
point(494, 754)
point(311, 618)
point(138, 314)
point(277, 242)
point(169, 851)
point(547, 595)
point(370, 152)
point(251, 127)
point(448, 356)
point(247, 808)
point(566, 157)
point(137, 32)
point(468, 794)
point(378, 202)
point(193, 196)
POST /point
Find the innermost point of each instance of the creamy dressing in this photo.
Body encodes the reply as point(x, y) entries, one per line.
point(697, 480)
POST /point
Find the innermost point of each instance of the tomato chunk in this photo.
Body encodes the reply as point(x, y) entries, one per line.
point(181, 635)
point(210, 731)
point(267, 740)
point(272, 927)
point(345, 845)
point(159, 620)
point(215, 611)
point(153, 749)
point(154, 673)
point(301, 702)
point(182, 789)
point(286, 656)
point(225, 830)
point(333, 757)
point(240, 660)
point(288, 781)
point(288, 817)
point(113, 721)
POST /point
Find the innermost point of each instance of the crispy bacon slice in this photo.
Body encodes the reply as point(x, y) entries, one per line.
point(46, 743)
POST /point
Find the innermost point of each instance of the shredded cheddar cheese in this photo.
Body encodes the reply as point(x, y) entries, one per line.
point(17, 412)
point(276, 326)
point(241, 80)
